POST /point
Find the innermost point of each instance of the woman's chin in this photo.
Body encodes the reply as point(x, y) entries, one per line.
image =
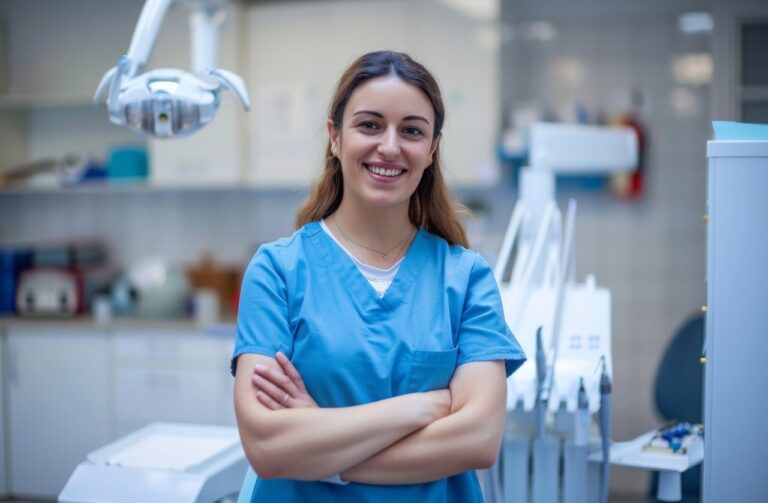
point(386, 202)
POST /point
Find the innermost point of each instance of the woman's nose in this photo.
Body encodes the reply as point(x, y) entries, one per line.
point(389, 144)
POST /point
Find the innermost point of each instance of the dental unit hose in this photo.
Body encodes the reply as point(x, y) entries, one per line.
point(605, 430)
point(583, 417)
point(541, 374)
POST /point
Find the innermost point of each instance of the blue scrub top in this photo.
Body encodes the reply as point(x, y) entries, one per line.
point(304, 296)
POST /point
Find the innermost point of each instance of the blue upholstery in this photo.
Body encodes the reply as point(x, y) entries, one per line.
point(679, 390)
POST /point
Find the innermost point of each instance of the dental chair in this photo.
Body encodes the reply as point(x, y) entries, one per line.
point(679, 391)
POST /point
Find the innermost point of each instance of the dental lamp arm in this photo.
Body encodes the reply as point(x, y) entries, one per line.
point(145, 34)
point(168, 102)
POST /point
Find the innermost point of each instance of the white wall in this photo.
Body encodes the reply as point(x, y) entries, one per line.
point(297, 51)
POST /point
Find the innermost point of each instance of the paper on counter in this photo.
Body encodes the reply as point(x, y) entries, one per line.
point(166, 451)
point(739, 131)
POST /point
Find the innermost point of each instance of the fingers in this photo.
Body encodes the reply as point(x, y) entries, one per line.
point(267, 400)
point(278, 378)
point(265, 386)
point(290, 371)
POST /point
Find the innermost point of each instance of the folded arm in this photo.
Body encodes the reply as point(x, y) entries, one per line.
point(313, 443)
point(467, 439)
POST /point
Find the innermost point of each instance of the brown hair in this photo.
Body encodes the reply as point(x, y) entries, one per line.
point(431, 207)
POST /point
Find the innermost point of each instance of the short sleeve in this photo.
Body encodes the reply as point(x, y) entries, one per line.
point(483, 332)
point(262, 318)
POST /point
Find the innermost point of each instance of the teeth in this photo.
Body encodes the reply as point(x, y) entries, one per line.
point(384, 171)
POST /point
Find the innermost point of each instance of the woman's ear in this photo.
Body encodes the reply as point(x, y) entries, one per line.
point(433, 149)
point(333, 135)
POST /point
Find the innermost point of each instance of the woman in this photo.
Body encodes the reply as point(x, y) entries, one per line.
point(372, 353)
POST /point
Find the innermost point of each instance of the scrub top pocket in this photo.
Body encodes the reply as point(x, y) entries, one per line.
point(431, 370)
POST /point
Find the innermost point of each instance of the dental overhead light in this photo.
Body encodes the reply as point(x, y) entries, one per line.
point(167, 102)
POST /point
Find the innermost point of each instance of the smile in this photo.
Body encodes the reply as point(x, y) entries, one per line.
point(388, 172)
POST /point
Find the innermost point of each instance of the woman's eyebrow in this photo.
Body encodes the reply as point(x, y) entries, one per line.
point(377, 114)
point(415, 118)
point(369, 112)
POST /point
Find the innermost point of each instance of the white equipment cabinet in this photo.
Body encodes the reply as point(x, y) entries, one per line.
point(58, 403)
point(736, 326)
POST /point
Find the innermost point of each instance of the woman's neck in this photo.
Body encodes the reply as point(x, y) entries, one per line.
point(376, 228)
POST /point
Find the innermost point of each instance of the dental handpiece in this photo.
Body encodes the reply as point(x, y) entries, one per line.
point(605, 429)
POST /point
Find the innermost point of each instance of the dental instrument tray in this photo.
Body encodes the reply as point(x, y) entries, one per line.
point(634, 453)
point(674, 439)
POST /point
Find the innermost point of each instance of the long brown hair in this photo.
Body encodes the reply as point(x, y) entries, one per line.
point(431, 207)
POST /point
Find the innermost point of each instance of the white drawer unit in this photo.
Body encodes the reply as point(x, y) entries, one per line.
point(72, 387)
point(143, 396)
point(162, 348)
point(172, 376)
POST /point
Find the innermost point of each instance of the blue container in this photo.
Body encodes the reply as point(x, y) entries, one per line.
point(128, 163)
point(12, 263)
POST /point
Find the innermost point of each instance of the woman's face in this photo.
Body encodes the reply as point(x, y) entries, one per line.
point(385, 141)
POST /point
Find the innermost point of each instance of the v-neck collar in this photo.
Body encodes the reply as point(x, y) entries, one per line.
point(415, 259)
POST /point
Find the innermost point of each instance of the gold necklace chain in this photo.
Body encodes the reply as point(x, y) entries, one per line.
point(384, 255)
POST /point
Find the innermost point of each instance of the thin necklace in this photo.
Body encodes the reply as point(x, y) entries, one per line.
point(384, 255)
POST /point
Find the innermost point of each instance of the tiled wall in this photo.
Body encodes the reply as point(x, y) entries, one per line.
point(179, 225)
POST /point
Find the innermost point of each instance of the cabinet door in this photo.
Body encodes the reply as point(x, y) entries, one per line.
point(57, 390)
point(143, 396)
point(171, 375)
point(3, 471)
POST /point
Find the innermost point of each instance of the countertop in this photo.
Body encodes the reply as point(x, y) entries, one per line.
point(87, 323)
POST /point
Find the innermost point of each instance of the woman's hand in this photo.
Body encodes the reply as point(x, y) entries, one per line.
point(281, 390)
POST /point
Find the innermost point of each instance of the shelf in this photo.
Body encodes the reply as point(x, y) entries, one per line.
point(223, 328)
point(138, 187)
point(21, 102)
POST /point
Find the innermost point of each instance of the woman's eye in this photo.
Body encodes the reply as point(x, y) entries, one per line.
point(413, 131)
point(368, 125)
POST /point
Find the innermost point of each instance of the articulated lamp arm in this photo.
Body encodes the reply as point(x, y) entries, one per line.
point(168, 102)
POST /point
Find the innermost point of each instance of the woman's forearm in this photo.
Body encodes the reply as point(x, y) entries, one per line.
point(451, 445)
point(311, 444)
point(467, 439)
point(314, 443)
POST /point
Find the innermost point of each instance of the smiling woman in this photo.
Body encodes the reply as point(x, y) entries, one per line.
point(372, 350)
point(387, 143)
